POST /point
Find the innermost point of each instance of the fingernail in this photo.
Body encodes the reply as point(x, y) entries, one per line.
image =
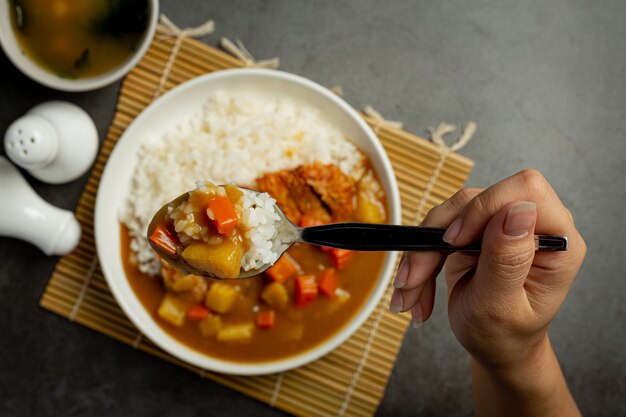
point(402, 274)
point(416, 314)
point(520, 219)
point(395, 305)
point(453, 230)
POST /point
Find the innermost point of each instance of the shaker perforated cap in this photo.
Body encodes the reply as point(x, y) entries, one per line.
point(31, 142)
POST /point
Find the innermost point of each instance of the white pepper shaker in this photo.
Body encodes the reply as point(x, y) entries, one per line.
point(56, 142)
point(25, 215)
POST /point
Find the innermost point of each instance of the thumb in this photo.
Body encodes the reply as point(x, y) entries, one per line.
point(508, 249)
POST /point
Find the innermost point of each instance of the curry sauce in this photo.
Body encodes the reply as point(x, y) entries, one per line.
point(296, 330)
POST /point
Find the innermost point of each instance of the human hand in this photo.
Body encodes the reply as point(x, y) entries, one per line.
point(501, 301)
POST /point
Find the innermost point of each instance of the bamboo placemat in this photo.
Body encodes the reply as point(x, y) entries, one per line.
point(350, 380)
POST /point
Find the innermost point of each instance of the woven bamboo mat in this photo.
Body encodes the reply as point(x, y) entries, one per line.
point(348, 381)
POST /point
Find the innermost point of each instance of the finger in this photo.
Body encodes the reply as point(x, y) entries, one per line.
point(415, 279)
point(417, 267)
point(443, 214)
point(457, 265)
point(419, 300)
point(527, 185)
point(423, 308)
point(508, 249)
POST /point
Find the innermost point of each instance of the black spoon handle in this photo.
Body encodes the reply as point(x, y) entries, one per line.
point(387, 237)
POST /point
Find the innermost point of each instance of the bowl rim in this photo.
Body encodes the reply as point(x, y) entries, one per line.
point(37, 73)
point(205, 361)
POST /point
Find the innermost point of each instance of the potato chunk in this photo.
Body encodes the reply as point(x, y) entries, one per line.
point(172, 310)
point(275, 295)
point(210, 326)
point(368, 210)
point(184, 284)
point(236, 333)
point(221, 259)
point(174, 280)
point(221, 297)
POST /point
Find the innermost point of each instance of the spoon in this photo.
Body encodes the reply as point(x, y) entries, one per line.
point(348, 235)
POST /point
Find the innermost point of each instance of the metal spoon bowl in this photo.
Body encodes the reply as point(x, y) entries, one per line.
point(348, 235)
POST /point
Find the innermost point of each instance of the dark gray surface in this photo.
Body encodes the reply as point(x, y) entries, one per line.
point(543, 80)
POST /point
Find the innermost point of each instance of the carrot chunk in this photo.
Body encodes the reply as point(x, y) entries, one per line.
point(306, 289)
point(339, 257)
point(223, 214)
point(282, 270)
point(266, 318)
point(198, 313)
point(328, 282)
point(165, 239)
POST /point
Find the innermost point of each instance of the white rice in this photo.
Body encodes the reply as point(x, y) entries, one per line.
point(263, 232)
point(231, 139)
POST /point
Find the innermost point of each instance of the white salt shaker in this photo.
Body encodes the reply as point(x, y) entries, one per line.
point(25, 215)
point(56, 142)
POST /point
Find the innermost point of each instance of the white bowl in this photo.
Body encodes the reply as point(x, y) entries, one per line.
point(36, 72)
point(163, 115)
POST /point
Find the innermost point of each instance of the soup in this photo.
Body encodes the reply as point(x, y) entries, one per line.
point(300, 302)
point(78, 38)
